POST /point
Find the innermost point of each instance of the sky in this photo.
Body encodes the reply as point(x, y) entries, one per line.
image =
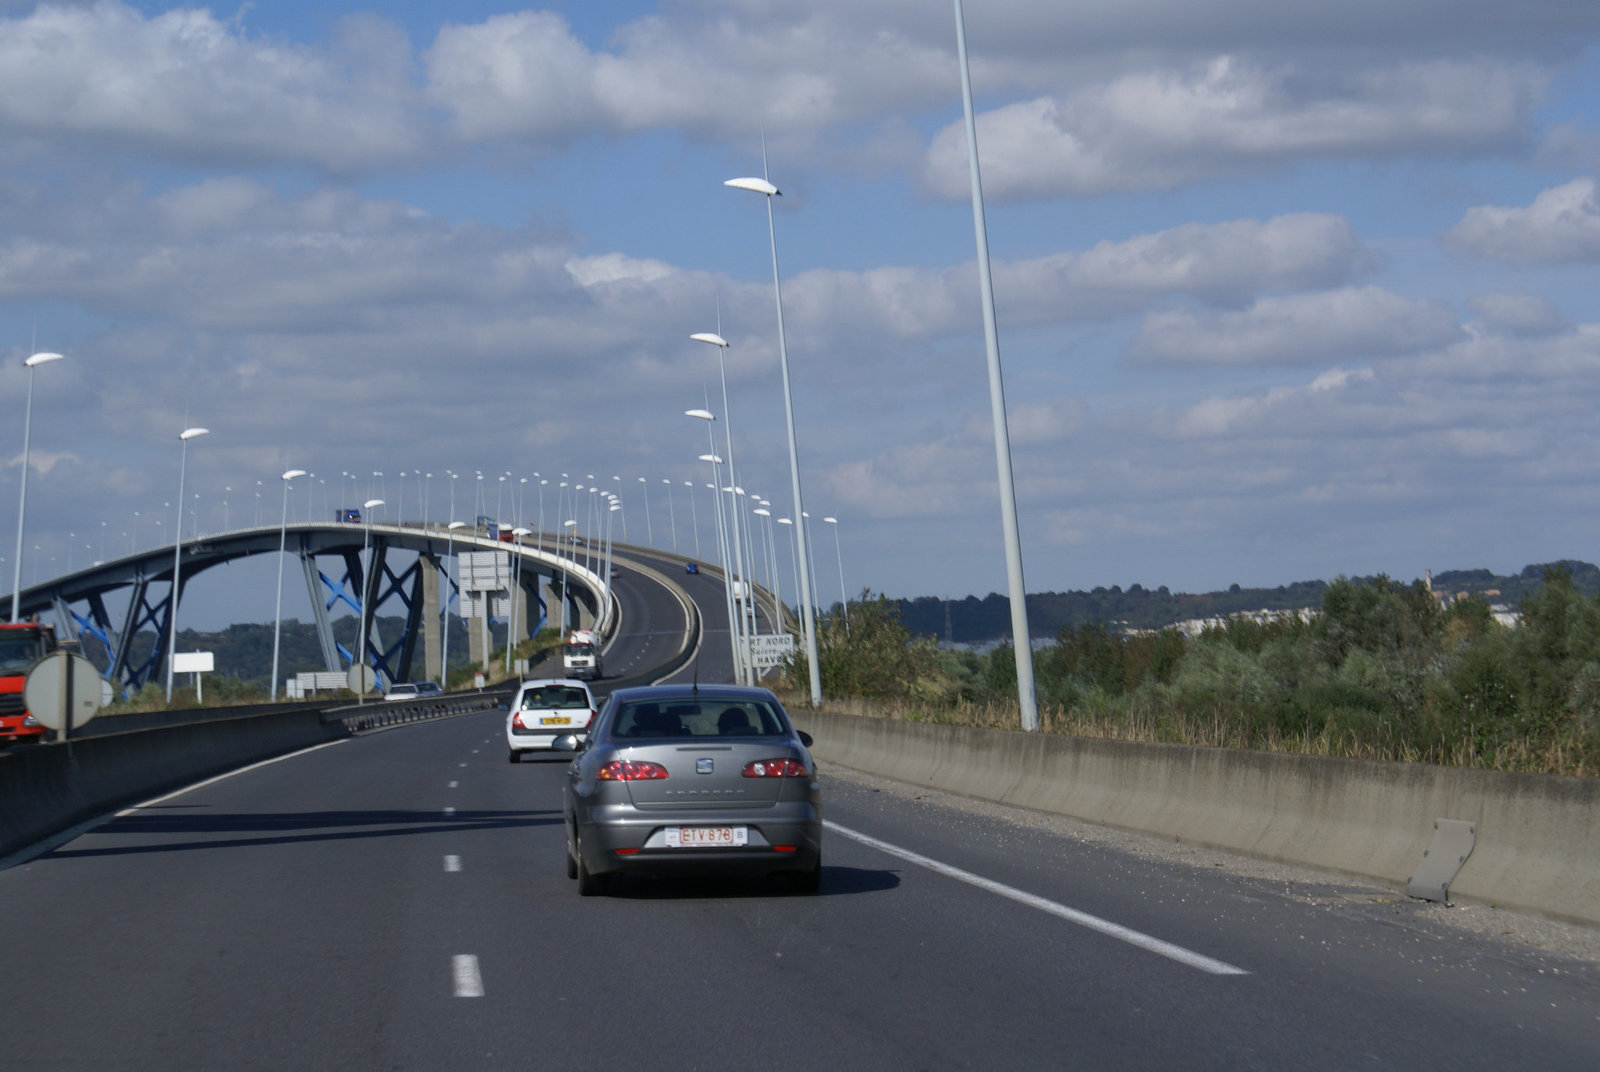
point(1285, 291)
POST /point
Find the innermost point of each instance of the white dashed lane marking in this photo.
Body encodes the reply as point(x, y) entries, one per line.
point(452, 863)
point(454, 784)
point(449, 811)
point(469, 982)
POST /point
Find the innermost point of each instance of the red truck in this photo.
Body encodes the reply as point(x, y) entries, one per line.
point(21, 645)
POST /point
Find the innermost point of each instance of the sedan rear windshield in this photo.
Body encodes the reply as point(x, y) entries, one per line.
point(699, 718)
point(554, 698)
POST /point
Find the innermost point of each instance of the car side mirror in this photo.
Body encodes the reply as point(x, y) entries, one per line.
point(567, 742)
point(805, 738)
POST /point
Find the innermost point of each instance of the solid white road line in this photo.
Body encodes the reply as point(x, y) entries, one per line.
point(452, 863)
point(55, 841)
point(1061, 911)
point(469, 982)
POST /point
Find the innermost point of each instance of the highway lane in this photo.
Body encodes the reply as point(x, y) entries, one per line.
point(713, 660)
point(325, 910)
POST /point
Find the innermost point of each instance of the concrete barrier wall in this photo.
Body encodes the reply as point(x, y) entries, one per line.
point(1538, 836)
point(45, 789)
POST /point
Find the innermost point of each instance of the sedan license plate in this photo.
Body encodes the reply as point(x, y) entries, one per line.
point(700, 837)
point(556, 720)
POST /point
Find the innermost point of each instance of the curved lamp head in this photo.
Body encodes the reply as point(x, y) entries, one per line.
point(521, 532)
point(784, 521)
point(42, 359)
point(712, 458)
point(763, 513)
point(709, 337)
point(193, 433)
point(700, 414)
point(371, 503)
point(569, 524)
point(456, 525)
point(760, 186)
point(292, 473)
point(831, 520)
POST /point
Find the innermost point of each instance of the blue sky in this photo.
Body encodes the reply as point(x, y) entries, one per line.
point(1284, 293)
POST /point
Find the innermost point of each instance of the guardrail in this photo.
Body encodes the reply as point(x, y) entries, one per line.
point(360, 718)
point(1537, 842)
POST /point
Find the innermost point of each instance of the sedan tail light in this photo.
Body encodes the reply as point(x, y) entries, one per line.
point(630, 770)
point(516, 720)
point(775, 768)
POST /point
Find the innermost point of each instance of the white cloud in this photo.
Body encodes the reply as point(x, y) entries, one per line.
point(1298, 329)
point(1161, 128)
point(1224, 262)
point(1562, 226)
point(182, 84)
point(1517, 314)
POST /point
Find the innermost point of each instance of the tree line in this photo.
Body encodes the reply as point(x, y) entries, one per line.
point(1385, 670)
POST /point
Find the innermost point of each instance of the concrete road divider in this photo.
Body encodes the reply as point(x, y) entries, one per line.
point(1538, 836)
point(45, 789)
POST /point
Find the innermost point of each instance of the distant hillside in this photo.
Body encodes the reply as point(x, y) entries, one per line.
point(976, 621)
point(245, 651)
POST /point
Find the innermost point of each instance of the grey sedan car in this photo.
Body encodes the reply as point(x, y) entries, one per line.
point(679, 779)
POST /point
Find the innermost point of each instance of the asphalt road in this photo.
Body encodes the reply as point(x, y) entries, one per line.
point(399, 901)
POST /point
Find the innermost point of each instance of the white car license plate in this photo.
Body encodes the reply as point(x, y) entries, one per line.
point(556, 720)
point(698, 837)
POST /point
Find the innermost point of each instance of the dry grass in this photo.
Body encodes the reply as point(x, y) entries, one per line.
point(1147, 723)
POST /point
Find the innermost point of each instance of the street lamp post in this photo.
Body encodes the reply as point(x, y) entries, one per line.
point(672, 515)
point(694, 519)
point(283, 536)
point(516, 584)
point(366, 594)
point(32, 363)
point(735, 611)
point(715, 339)
point(449, 556)
point(844, 596)
point(570, 523)
point(1026, 698)
point(649, 529)
point(807, 613)
point(177, 552)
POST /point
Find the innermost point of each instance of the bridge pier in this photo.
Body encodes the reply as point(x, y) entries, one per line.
point(431, 652)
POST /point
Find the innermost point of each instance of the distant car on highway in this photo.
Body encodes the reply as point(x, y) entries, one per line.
point(545, 709)
point(677, 779)
point(690, 567)
point(407, 690)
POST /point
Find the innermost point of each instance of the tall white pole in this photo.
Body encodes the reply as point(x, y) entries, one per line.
point(277, 613)
point(807, 612)
point(1026, 697)
point(694, 519)
point(844, 593)
point(449, 556)
point(177, 551)
point(22, 507)
point(367, 590)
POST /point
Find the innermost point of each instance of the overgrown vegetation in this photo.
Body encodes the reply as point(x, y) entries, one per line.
point(1383, 672)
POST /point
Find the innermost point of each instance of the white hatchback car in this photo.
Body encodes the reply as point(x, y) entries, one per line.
point(545, 709)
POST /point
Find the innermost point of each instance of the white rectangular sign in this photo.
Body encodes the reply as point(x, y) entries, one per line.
point(484, 571)
point(193, 662)
point(770, 649)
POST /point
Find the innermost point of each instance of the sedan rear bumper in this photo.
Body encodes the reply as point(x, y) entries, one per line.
point(641, 836)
